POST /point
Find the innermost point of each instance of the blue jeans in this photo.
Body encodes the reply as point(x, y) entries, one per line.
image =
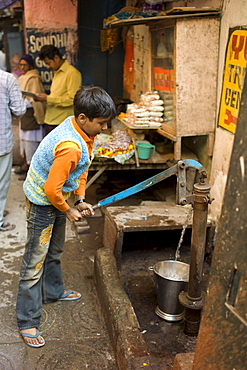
point(41, 274)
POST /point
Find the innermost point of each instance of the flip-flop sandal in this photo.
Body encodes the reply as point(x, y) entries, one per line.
point(35, 337)
point(5, 213)
point(7, 227)
point(19, 171)
point(65, 297)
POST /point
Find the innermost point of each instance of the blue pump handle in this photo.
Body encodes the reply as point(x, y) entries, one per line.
point(149, 182)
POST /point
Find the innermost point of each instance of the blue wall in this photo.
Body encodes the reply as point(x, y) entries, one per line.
point(99, 68)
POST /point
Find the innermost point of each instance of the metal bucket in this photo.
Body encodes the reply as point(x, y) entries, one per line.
point(171, 277)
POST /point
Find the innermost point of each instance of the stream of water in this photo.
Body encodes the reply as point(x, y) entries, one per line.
point(177, 254)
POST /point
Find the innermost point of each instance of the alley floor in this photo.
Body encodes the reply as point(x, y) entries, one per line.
point(75, 332)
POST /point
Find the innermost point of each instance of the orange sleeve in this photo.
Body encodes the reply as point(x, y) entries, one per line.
point(67, 156)
point(82, 187)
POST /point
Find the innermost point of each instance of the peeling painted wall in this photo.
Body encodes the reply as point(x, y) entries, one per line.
point(51, 22)
point(50, 13)
point(232, 16)
point(48, 21)
point(65, 39)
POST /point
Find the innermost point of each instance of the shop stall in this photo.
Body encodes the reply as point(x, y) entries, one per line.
point(174, 56)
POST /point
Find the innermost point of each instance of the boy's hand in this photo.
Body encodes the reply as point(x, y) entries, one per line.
point(73, 214)
point(85, 209)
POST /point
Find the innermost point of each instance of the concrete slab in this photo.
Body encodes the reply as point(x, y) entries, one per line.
point(183, 361)
point(130, 347)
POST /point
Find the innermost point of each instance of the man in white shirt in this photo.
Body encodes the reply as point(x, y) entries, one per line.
point(2, 58)
point(11, 104)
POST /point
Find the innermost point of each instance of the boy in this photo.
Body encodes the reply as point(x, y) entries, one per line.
point(58, 167)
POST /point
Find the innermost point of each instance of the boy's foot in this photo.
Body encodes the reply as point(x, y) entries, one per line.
point(70, 295)
point(32, 337)
point(7, 227)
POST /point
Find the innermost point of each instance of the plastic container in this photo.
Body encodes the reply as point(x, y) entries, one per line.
point(144, 150)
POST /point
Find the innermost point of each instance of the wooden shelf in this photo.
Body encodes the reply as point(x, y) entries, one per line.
point(141, 127)
point(136, 21)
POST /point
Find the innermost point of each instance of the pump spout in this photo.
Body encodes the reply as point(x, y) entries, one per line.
point(193, 300)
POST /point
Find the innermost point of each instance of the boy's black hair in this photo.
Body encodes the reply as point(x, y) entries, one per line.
point(49, 51)
point(94, 102)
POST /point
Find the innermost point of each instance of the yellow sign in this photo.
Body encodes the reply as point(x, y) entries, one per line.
point(233, 83)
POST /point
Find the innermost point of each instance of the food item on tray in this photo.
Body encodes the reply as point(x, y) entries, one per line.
point(155, 103)
point(149, 96)
point(144, 114)
point(156, 108)
point(111, 145)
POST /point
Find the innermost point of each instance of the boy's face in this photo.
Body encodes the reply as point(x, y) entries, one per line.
point(94, 127)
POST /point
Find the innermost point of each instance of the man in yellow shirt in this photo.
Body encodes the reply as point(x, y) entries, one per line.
point(66, 81)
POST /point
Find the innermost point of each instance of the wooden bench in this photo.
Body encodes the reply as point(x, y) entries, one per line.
point(149, 216)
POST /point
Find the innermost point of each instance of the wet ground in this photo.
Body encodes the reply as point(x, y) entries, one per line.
point(163, 338)
point(75, 332)
point(140, 251)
